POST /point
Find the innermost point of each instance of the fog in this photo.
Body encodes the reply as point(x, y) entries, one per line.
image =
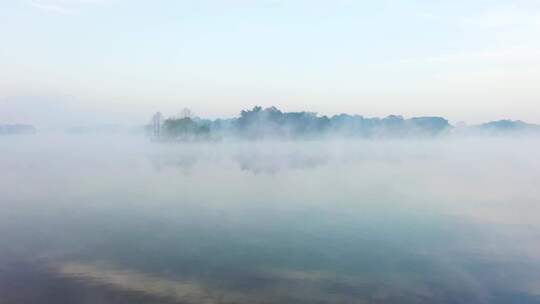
point(121, 219)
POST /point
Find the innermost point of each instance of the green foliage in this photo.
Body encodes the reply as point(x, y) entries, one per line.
point(184, 128)
point(259, 123)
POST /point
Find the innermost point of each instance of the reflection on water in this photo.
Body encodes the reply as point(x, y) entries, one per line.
point(117, 220)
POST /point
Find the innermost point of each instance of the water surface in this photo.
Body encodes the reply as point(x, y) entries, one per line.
point(121, 220)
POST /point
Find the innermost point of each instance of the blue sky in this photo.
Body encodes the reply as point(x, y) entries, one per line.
point(104, 59)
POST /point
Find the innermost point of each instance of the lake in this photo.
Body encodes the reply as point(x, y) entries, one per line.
point(119, 219)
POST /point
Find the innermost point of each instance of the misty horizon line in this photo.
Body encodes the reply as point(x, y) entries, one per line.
point(272, 107)
point(27, 122)
point(270, 122)
point(301, 119)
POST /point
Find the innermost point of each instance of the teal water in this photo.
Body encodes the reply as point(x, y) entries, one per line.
point(121, 220)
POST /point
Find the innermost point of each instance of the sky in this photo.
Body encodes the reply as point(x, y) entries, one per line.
point(69, 62)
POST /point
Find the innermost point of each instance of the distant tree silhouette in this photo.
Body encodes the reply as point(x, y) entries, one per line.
point(259, 123)
point(184, 128)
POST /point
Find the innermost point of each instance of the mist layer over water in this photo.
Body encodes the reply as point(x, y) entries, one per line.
point(122, 220)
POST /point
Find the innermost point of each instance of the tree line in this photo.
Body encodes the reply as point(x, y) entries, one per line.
point(268, 123)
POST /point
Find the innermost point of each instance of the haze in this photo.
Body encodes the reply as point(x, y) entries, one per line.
point(113, 219)
point(268, 151)
point(101, 61)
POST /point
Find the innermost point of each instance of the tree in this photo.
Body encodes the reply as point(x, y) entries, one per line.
point(155, 124)
point(184, 128)
point(185, 113)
